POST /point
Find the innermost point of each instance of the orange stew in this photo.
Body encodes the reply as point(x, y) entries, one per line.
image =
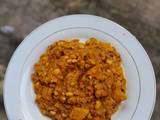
point(79, 81)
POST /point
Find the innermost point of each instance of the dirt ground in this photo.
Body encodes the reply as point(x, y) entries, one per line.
point(20, 17)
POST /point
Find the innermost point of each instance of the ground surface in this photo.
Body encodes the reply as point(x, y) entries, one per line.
point(20, 17)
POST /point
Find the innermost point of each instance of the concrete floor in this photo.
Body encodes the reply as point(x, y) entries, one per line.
point(20, 17)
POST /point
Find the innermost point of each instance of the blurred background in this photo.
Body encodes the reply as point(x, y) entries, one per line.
point(19, 17)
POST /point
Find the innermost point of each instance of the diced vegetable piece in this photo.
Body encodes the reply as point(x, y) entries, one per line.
point(79, 113)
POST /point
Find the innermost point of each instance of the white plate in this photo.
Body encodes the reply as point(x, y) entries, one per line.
point(19, 97)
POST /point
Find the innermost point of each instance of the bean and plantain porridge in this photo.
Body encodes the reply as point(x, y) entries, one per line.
point(76, 80)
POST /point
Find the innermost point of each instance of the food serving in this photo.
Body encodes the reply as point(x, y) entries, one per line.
point(73, 80)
